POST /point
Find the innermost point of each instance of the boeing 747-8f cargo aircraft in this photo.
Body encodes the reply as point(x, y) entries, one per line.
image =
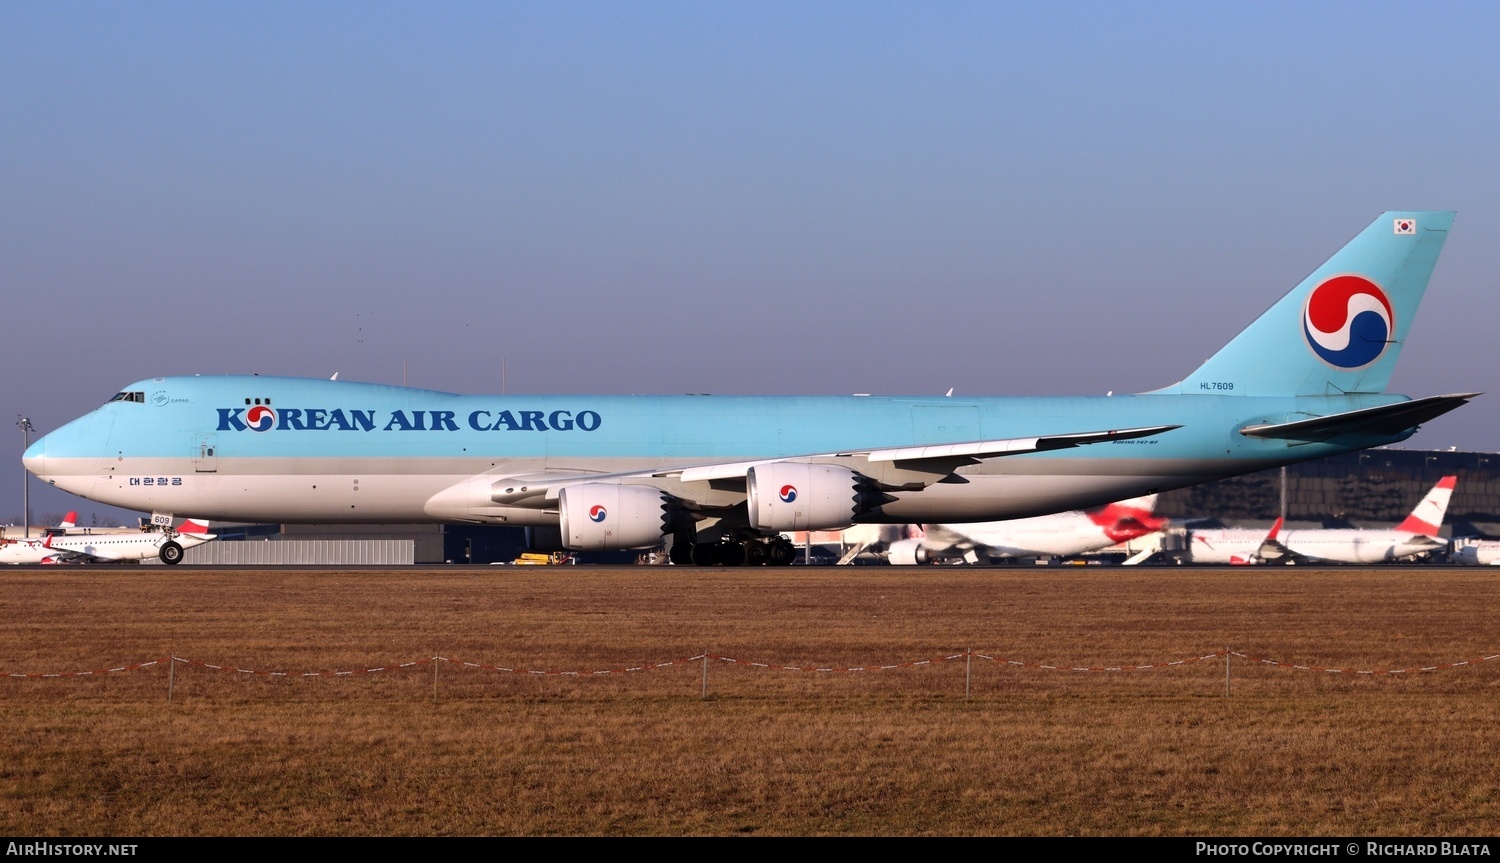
point(724, 475)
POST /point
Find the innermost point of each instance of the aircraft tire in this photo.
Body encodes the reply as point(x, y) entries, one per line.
point(706, 554)
point(755, 553)
point(170, 553)
point(781, 553)
point(732, 553)
point(681, 553)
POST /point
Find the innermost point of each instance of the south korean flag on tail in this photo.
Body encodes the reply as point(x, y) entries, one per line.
point(1406, 226)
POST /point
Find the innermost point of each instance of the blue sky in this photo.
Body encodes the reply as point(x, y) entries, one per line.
point(711, 197)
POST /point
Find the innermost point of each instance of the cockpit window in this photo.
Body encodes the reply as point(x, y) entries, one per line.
point(135, 396)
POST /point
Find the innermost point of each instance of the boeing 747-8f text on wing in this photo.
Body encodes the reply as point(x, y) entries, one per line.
point(723, 475)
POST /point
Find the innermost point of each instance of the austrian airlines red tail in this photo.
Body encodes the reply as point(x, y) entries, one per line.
point(1427, 518)
point(1128, 519)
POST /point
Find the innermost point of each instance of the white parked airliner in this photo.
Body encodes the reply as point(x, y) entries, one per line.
point(1485, 552)
point(1063, 534)
point(110, 545)
point(26, 550)
point(1418, 534)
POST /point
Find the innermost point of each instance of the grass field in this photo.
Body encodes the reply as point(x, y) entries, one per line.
point(444, 749)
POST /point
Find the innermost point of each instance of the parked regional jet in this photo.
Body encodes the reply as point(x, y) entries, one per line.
point(1062, 534)
point(60, 546)
point(1418, 534)
point(725, 475)
point(168, 545)
point(1236, 546)
point(26, 550)
point(1484, 552)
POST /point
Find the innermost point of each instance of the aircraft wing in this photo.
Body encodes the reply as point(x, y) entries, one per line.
point(913, 468)
point(64, 554)
point(1272, 549)
point(944, 456)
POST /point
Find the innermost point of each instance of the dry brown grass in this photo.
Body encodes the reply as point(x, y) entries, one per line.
point(1034, 752)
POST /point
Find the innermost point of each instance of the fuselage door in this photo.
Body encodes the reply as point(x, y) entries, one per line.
point(205, 453)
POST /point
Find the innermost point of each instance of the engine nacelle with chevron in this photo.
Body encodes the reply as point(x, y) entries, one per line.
point(798, 496)
point(600, 516)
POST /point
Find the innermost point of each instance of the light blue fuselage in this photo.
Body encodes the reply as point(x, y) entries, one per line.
point(352, 452)
point(1304, 380)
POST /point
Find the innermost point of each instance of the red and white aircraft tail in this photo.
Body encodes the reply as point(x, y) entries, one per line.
point(1128, 519)
point(1427, 518)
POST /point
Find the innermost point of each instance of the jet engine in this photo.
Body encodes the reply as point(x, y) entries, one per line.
point(907, 552)
point(795, 496)
point(600, 516)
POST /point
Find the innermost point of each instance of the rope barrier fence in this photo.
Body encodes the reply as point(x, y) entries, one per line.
point(708, 658)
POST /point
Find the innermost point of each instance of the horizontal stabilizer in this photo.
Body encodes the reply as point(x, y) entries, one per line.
point(1385, 420)
point(193, 527)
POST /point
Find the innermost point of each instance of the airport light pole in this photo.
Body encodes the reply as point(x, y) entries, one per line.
point(1283, 493)
point(24, 424)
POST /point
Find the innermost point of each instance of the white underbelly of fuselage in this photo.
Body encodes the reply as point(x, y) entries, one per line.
point(459, 490)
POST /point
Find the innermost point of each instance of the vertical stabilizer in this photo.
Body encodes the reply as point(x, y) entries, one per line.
point(1128, 519)
point(1341, 329)
point(1427, 518)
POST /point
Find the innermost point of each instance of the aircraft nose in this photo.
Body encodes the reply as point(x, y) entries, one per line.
point(35, 457)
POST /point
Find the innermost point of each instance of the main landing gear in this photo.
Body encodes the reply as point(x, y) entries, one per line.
point(776, 551)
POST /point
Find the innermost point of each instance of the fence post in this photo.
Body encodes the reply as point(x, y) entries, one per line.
point(1227, 658)
point(968, 669)
point(171, 676)
point(435, 665)
point(704, 694)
